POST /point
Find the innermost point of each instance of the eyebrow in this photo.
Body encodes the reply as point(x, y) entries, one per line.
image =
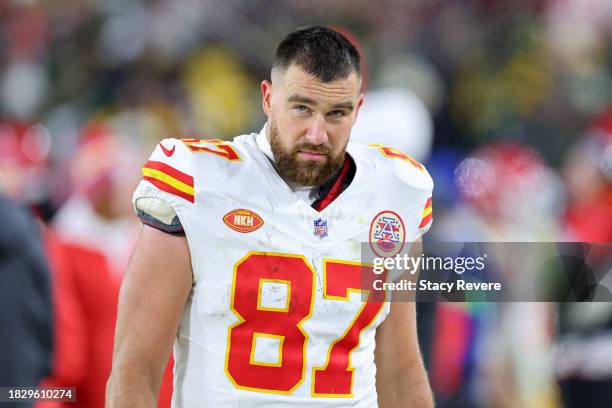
point(303, 99)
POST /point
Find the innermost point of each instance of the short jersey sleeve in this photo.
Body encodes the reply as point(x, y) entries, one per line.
point(426, 217)
point(420, 212)
point(413, 189)
point(168, 177)
point(419, 191)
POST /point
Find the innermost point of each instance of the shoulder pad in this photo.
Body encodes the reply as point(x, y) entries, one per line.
point(411, 174)
point(170, 169)
point(220, 148)
point(404, 167)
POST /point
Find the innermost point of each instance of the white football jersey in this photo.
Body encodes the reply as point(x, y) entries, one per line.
point(275, 317)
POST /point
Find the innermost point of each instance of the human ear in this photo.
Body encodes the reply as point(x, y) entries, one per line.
point(357, 107)
point(266, 96)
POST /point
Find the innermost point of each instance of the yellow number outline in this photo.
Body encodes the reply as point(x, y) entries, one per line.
point(226, 151)
point(397, 154)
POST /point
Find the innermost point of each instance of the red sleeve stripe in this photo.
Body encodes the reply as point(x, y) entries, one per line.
point(171, 171)
point(169, 179)
point(426, 220)
point(427, 214)
point(169, 189)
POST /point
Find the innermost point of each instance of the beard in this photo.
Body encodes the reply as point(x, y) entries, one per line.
point(306, 173)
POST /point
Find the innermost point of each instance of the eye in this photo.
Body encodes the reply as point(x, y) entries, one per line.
point(336, 114)
point(301, 109)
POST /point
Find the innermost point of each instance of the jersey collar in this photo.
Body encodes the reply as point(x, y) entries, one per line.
point(264, 144)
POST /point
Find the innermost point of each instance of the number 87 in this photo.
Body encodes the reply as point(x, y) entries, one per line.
point(335, 378)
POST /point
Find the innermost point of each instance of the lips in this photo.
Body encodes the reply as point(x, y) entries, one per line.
point(310, 155)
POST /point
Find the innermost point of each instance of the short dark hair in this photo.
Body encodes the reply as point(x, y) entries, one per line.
point(320, 51)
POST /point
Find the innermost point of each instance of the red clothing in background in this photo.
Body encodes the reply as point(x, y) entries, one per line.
point(86, 290)
point(592, 221)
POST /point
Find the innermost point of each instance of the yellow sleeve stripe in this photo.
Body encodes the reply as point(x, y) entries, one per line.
point(168, 183)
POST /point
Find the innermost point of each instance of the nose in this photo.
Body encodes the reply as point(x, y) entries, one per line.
point(317, 133)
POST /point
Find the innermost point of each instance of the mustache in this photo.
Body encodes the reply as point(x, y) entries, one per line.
point(322, 149)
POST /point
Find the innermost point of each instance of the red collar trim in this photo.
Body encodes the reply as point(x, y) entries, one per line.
point(336, 189)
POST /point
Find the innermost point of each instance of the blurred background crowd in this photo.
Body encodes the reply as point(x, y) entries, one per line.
point(508, 103)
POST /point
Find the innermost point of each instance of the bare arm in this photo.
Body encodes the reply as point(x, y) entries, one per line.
point(152, 298)
point(401, 380)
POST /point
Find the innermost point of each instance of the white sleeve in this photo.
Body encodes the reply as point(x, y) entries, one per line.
point(167, 186)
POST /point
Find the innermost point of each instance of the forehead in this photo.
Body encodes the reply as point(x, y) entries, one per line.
point(297, 82)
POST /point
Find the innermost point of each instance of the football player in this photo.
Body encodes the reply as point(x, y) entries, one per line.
point(249, 260)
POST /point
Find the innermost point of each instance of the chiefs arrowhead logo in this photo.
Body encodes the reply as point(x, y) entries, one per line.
point(167, 152)
point(242, 220)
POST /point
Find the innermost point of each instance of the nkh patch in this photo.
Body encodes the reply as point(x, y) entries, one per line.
point(320, 228)
point(387, 234)
point(243, 220)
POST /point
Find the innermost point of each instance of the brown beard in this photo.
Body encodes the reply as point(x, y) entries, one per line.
point(303, 173)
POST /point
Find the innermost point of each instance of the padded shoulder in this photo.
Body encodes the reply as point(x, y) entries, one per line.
point(170, 169)
point(407, 178)
point(406, 169)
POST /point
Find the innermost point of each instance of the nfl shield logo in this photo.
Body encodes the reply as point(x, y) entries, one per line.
point(320, 228)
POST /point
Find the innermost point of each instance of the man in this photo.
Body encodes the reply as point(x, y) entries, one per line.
point(26, 317)
point(249, 259)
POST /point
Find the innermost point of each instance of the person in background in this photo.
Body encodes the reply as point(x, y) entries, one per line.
point(582, 365)
point(483, 355)
point(26, 340)
point(91, 237)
